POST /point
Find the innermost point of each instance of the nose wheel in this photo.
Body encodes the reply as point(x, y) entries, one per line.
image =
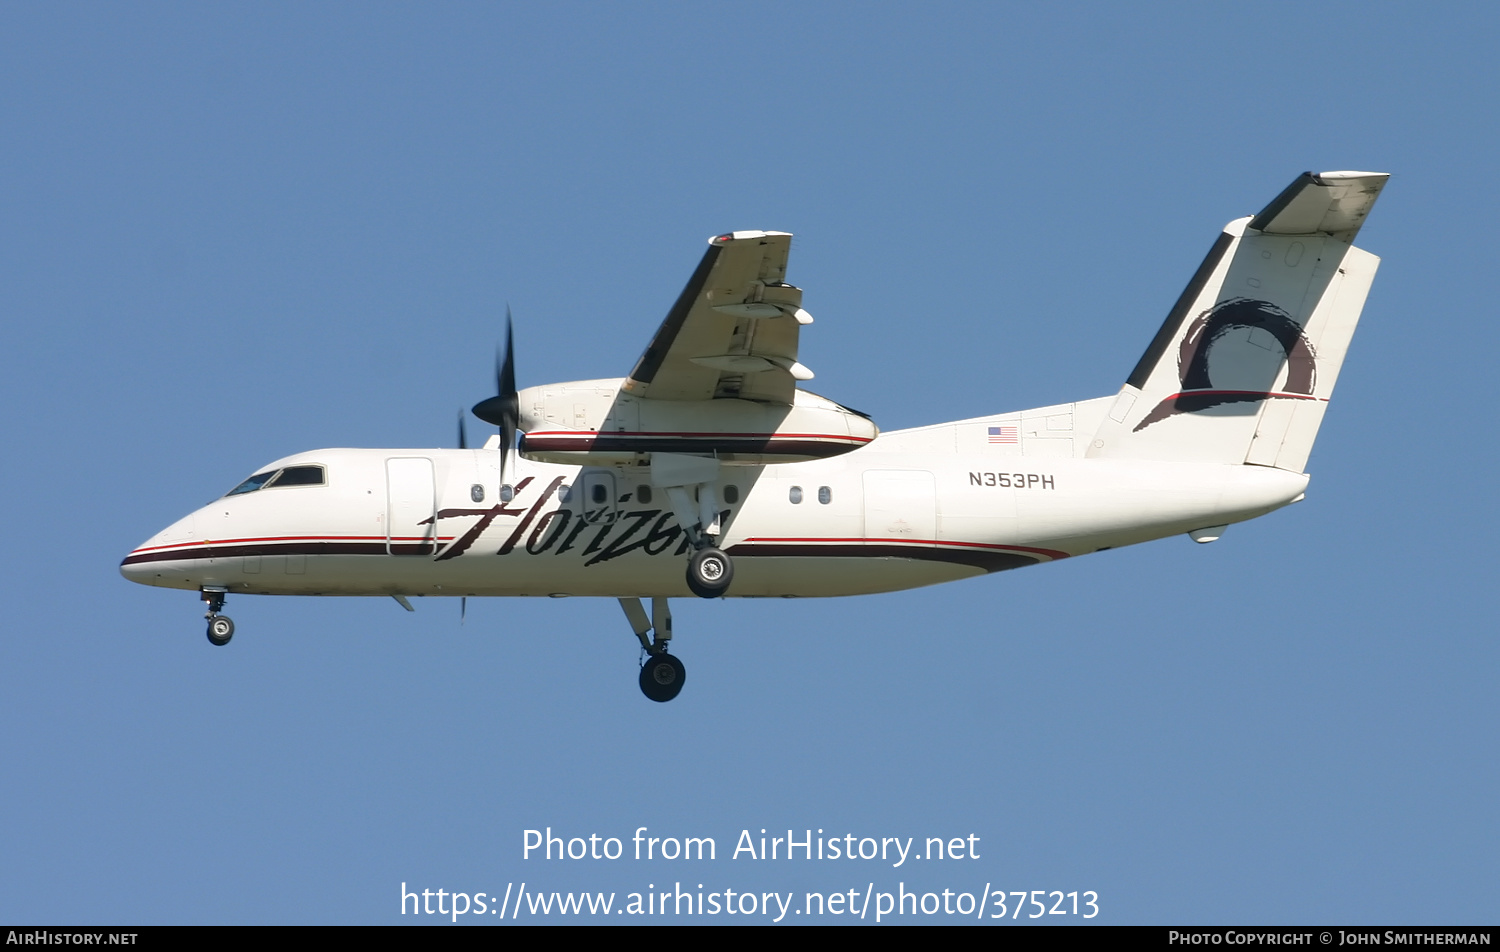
point(220, 627)
point(220, 630)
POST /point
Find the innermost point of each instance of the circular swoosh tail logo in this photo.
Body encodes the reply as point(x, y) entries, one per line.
point(1209, 330)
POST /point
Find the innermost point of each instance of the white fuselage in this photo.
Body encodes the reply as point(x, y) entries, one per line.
point(912, 508)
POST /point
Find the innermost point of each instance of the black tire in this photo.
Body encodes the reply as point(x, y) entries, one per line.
point(220, 630)
point(709, 573)
point(661, 677)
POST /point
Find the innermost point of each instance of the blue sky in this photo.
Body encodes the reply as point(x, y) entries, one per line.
point(236, 232)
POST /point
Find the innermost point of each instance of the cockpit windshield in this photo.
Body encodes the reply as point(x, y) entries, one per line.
point(252, 484)
point(290, 476)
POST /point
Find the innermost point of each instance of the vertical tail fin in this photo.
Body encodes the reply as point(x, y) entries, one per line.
point(1243, 367)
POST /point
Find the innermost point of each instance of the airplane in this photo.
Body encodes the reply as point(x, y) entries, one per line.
point(709, 472)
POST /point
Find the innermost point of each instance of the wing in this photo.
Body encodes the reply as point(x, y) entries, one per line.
point(733, 331)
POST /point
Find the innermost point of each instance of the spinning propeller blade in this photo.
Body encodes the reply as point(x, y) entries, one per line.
point(503, 409)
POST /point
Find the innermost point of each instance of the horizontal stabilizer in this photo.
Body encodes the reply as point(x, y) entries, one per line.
point(1324, 203)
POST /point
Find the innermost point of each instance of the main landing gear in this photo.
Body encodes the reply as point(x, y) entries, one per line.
point(220, 627)
point(709, 572)
point(662, 675)
point(690, 484)
point(709, 569)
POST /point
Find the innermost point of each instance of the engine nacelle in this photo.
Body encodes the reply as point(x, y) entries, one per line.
point(593, 422)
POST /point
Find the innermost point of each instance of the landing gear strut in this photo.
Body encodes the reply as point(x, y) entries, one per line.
point(220, 627)
point(662, 675)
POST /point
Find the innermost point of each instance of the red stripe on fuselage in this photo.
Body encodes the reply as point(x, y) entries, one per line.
point(314, 538)
point(590, 434)
point(1049, 553)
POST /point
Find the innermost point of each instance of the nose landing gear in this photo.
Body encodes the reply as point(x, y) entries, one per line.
point(220, 627)
point(220, 630)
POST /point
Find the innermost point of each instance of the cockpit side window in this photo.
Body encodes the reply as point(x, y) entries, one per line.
point(300, 476)
point(252, 484)
point(291, 476)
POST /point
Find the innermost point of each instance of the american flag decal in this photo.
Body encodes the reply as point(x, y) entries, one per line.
point(1004, 434)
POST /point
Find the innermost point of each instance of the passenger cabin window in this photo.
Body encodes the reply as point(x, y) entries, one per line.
point(825, 495)
point(564, 493)
point(644, 494)
point(795, 495)
point(476, 493)
point(599, 494)
point(731, 494)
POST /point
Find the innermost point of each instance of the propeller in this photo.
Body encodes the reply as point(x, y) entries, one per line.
point(463, 444)
point(504, 411)
point(504, 408)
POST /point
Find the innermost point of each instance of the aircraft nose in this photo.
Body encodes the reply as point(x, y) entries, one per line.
point(132, 569)
point(144, 563)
